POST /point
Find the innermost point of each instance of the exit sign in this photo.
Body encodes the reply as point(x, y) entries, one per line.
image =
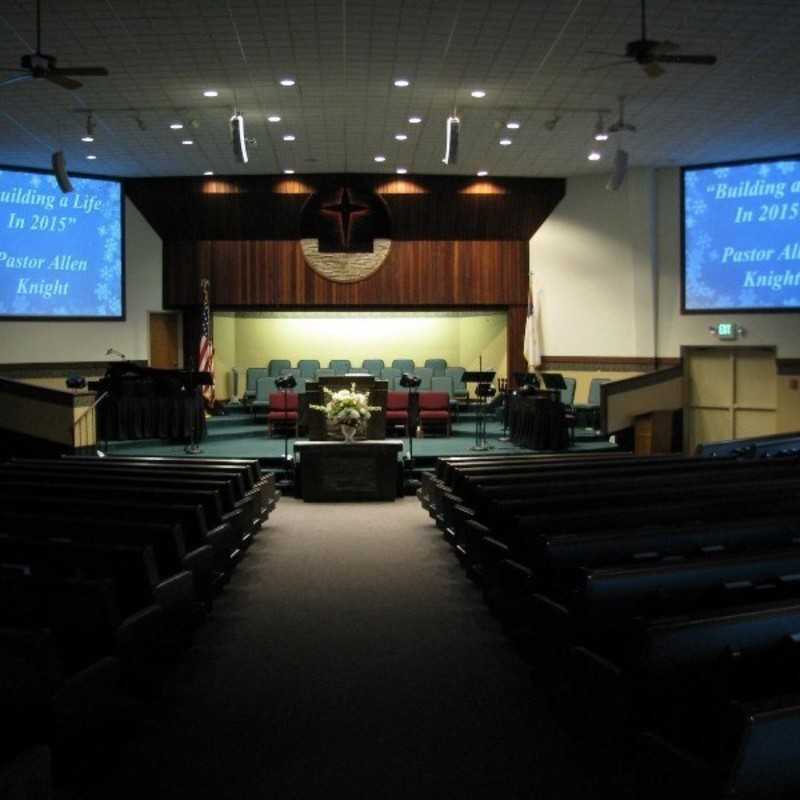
point(727, 330)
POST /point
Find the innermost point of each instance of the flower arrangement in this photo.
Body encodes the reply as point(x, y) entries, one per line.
point(347, 407)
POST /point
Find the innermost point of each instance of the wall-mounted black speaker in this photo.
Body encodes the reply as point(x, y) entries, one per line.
point(238, 138)
point(60, 171)
point(451, 141)
point(620, 171)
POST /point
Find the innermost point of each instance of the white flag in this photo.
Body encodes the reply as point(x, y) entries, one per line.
point(530, 346)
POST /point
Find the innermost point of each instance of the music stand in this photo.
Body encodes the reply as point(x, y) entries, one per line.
point(554, 384)
point(481, 378)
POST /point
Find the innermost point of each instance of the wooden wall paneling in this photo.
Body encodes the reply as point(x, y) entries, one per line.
point(249, 274)
point(260, 208)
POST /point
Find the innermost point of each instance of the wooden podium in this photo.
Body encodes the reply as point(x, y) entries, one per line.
point(314, 395)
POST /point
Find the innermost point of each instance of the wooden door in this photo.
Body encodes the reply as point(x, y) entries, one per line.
point(730, 393)
point(164, 341)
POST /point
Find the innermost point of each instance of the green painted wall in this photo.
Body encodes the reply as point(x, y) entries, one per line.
point(252, 339)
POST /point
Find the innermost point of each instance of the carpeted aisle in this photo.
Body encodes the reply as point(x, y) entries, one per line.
point(349, 655)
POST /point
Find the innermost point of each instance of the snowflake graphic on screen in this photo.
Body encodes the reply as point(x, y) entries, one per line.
point(721, 172)
point(36, 180)
point(764, 170)
point(102, 291)
point(690, 222)
point(21, 304)
point(748, 298)
point(697, 207)
point(115, 305)
point(101, 230)
point(785, 167)
point(690, 178)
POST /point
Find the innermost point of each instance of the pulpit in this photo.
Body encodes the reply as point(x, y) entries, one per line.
point(317, 424)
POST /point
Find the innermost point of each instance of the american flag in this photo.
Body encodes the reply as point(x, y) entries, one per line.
point(530, 346)
point(206, 360)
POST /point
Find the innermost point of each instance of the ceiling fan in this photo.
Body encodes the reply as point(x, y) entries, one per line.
point(40, 65)
point(650, 54)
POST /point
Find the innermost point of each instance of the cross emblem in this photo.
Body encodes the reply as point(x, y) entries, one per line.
point(345, 211)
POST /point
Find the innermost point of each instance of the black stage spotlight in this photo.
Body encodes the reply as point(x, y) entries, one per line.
point(408, 381)
point(284, 383)
point(411, 382)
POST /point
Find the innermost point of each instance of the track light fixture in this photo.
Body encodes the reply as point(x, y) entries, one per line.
point(600, 133)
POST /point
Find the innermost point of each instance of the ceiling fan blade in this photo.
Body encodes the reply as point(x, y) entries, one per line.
point(652, 70)
point(99, 71)
point(686, 59)
point(608, 64)
point(62, 80)
point(14, 80)
point(664, 47)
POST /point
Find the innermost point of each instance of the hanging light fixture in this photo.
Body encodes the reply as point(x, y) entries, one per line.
point(600, 133)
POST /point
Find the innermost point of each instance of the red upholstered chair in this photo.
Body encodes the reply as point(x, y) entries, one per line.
point(283, 408)
point(434, 407)
point(397, 409)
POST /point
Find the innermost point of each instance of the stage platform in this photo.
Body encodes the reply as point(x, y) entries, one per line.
point(238, 435)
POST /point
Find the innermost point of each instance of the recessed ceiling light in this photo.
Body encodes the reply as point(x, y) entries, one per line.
point(208, 172)
point(289, 137)
point(87, 138)
point(91, 157)
point(478, 93)
point(415, 120)
point(512, 125)
point(401, 137)
point(210, 93)
point(188, 141)
point(401, 83)
point(482, 173)
point(505, 142)
point(287, 81)
point(274, 118)
point(288, 172)
point(176, 126)
point(601, 136)
point(594, 156)
point(379, 159)
point(401, 170)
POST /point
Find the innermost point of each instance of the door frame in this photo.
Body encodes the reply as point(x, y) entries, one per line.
point(686, 353)
point(179, 317)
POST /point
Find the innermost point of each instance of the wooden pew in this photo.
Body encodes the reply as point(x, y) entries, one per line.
point(167, 540)
point(231, 498)
point(132, 569)
point(224, 529)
